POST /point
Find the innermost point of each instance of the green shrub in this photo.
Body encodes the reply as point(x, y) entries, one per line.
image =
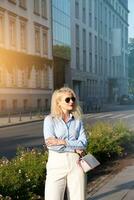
point(126, 137)
point(107, 141)
point(23, 177)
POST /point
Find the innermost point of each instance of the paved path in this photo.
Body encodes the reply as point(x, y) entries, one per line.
point(120, 187)
point(6, 121)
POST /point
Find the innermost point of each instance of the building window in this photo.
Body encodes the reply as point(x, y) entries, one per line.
point(77, 9)
point(84, 11)
point(109, 19)
point(38, 103)
point(105, 66)
point(12, 31)
point(95, 23)
point(90, 5)
point(77, 88)
point(90, 19)
point(36, 7)
point(44, 8)
point(95, 44)
point(84, 38)
point(1, 28)
point(96, 66)
point(37, 78)
point(45, 42)
point(46, 77)
point(23, 79)
point(3, 105)
point(84, 60)
point(90, 62)
point(77, 34)
point(12, 1)
point(101, 11)
point(25, 104)
point(46, 104)
point(23, 35)
point(77, 58)
point(14, 104)
point(101, 65)
point(105, 49)
point(90, 42)
point(37, 39)
point(113, 21)
point(106, 30)
point(126, 16)
point(84, 15)
point(22, 3)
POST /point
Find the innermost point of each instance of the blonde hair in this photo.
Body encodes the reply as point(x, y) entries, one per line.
point(56, 110)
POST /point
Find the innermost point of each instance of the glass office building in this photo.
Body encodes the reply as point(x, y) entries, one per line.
point(97, 32)
point(61, 41)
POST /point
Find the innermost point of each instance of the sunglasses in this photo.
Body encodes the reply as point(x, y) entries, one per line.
point(67, 100)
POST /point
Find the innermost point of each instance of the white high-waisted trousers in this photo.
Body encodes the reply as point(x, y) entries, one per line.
point(63, 172)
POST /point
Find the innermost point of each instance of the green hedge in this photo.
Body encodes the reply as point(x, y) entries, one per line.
point(108, 141)
point(23, 177)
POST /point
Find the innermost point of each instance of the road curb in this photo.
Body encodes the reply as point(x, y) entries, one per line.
point(20, 123)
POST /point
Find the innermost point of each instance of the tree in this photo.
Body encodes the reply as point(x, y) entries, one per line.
point(131, 65)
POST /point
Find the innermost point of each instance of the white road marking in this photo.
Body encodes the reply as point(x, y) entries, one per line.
point(92, 115)
point(102, 116)
point(117, 116)
point(127, 116)
point(109, 115)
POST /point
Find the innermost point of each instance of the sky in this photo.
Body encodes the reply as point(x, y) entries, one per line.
point(131, 18)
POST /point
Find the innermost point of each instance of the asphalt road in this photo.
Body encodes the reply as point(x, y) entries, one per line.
point(126, 116)
point(26, 135)
point(31, 135)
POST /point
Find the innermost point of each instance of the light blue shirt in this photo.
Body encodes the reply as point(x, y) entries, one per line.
point(72, 132)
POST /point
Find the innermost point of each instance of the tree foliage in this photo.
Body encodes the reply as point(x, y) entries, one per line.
point(131, 65)
point(62, 51)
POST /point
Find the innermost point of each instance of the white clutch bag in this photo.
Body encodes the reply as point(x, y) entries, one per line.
point(88, 162)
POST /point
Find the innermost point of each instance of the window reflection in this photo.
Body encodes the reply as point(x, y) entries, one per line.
point(61, 27)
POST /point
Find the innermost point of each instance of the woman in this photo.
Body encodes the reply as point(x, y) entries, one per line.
point(66, 140)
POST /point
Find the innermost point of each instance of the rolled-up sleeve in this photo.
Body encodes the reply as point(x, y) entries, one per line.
point(80, 142)
point(48, 129)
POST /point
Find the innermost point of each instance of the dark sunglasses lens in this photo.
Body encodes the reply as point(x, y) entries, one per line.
point(67, 100)
point(73, 99)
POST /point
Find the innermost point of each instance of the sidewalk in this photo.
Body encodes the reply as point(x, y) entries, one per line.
point(120, 187)
point(16, 120)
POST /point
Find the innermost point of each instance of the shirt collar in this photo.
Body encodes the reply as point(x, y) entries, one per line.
point(71, 117)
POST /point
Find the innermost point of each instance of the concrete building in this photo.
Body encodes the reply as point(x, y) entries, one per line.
point(98, 42)
point(26, 70)
point(89, 40)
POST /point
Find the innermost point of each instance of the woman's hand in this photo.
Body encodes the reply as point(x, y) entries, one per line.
point(51, 141)
point(81, 152)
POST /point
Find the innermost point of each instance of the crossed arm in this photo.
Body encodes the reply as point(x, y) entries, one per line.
point(52, 141)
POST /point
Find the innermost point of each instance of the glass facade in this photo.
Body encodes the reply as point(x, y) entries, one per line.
point(125, 3)
point(61, 28)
